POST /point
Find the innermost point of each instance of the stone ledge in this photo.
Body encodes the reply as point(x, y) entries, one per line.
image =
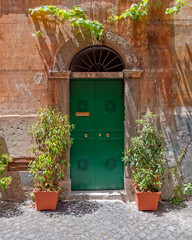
point(126, 73)
point(18, 116)
point(97, 195)
point(130, 73)
point(59, 75)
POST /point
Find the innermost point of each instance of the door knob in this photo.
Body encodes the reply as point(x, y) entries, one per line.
point(85, 135)
point(107, 134)
point(99, 134)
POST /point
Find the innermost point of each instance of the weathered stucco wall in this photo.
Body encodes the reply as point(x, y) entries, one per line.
point(160, 45)
point(182, 91)
point(16, 133)
point(20, 92)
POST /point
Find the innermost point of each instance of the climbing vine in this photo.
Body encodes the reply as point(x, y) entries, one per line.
point(177, 7)
point(188, 188)
point(181, 157)
point(178, 194)
point(77, 15)
point(137, 11)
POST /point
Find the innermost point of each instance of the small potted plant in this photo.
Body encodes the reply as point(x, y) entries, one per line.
point(146, 156)
point(52, 134)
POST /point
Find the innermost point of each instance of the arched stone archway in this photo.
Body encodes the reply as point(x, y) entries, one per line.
point(82, 40)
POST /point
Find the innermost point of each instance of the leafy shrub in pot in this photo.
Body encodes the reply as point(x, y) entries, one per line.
point(52, 135)
point(146, 156)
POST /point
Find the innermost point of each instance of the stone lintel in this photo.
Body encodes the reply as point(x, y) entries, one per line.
point(132, 73)
point(126, 73)
point(110, 75)
point(60, 75)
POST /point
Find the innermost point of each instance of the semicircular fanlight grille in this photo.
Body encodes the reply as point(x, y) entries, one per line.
point(97, 59)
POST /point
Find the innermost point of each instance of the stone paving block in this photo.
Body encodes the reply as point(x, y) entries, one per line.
point(121, 222)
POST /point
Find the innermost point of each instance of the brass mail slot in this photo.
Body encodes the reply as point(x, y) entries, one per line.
point(82, 114)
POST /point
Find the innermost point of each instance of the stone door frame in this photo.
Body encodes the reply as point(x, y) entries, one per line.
point(58, 90)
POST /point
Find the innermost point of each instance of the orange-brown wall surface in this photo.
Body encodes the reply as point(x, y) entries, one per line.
point(162, 48)
point(162, 43)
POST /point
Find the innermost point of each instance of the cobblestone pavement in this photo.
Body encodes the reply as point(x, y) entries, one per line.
point(95, 220)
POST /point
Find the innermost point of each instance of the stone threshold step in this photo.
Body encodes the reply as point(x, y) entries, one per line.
point(97, 195)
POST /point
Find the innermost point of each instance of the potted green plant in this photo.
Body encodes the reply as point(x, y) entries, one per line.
point(146, 156)
point(4, 161)
point(52, 135)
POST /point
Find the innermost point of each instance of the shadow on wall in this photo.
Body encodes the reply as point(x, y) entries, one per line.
point(176, 121)
point(47, 46)
point(183, 113)
point(54, 35)
point(183, 94)
point(3, 146)
point(179, 135)
point(183, 91)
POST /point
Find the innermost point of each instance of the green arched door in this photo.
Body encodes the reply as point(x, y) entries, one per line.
point(97, 110)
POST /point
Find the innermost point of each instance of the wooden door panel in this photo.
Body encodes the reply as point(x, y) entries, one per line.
point(99, 134)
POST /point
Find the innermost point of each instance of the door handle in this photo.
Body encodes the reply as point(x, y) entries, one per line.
point(99, 134)
point(107, 135)
point(85, 135)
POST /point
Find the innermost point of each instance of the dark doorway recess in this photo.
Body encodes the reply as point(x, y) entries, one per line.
point(97, 59)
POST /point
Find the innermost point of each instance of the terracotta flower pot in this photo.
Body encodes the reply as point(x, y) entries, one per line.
point(147, 200)
point(46, 200)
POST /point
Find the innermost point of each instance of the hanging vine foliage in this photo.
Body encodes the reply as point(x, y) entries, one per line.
point(177, 7)
point(77, 15)
point(135, 12)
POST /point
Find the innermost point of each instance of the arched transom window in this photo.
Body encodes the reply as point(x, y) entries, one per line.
point(97, 59)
